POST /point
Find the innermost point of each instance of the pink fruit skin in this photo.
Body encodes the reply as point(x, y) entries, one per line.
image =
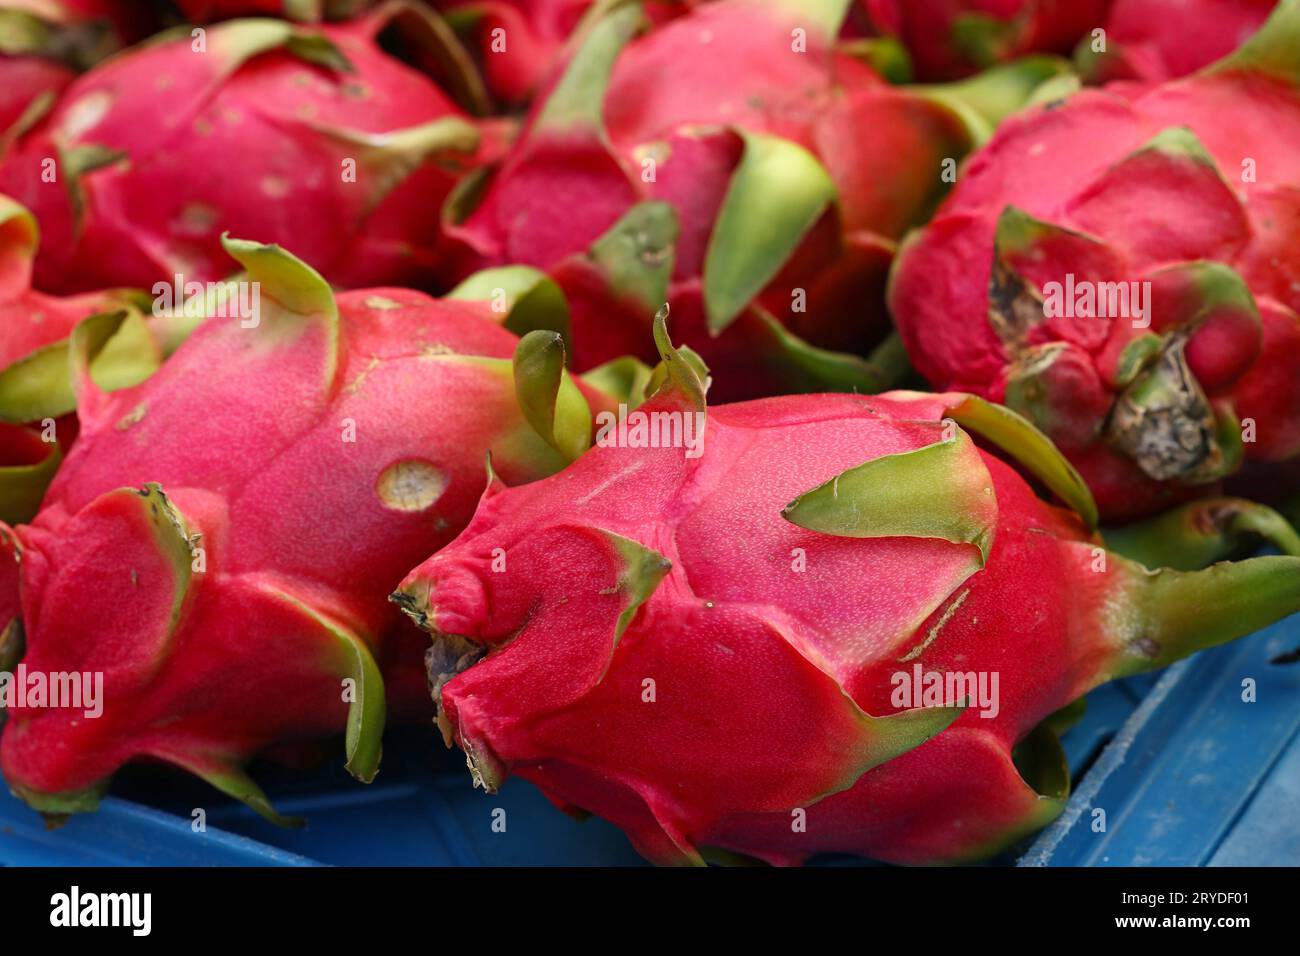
point(179, 116)
point(681, 94)
point(534, 33)
point(25, 77)
point(731, 696)
point(1158, 40)
point(303, 531)
point(1134, 215)
point(30, 319)
point(206, 11)
point(930, 29)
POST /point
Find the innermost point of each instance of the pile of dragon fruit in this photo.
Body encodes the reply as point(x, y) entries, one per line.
point(757, 423)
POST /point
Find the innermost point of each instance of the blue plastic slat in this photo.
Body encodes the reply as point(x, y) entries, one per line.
point(1193, 775)
point(126, 834)
point(1194, 769)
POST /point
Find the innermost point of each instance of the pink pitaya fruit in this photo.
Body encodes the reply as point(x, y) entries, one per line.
point(306, 11)
point(344, 152)
point(1119, 267)
point(734, 646)
point(954, 38)
point(722, 147)
point(1156, 40)
point(35, 384)
point(45, 43)
point(219, 544)
point(520, 42)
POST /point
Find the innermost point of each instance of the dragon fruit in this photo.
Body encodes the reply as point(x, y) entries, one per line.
point(953, 38)
point(721, 146)
point(306, 11)
point(345, 152)
point(683, 643)
point(1156, 40)
point(520, 42)
point(220, 541)
point(44, 44)
point(35, 386)
point(1119, 268)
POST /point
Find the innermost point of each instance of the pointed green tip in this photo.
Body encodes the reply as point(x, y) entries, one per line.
point(18, 227)
point(1274, 49)
point(1029, 447)
point(624, 380)
point(1179, 141)
point(983, 101)
point(22, 487)
point(884, 738)
point(367, 713)
point(528, 298)
point(635, 256)
point(641, 572)
point(680, 372)
point(577, 101)
point(1203, 287)
point(234, 782)
point(824, 18)
point(550, 401)
point(64, 803)
point(941, 490)
point(1017, 230)
point(287, 279)
point(886, 55)
point(777, 194)
point(1198, 534)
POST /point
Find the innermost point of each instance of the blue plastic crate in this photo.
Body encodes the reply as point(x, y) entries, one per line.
point(1186, 772)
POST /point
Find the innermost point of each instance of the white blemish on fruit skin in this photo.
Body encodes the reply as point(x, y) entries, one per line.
point(410, 485)
point(132, 417)
point(275, 187)
point(195, 219)
point(631, 469)
point(85, 114)
point(934, 631)
point(355, 385)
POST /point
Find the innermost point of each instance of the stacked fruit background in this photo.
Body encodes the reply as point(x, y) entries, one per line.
point(758, 424)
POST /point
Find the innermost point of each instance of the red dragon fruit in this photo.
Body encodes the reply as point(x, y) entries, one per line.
point(306, 11)
point(723, 146)
point(1156, 40)
point(520, 42)
point(1119, 267)
point(858, 648)
point(35, 385)
point(45, 43)
point(954, 38)
point(219, 543)
point(343, 152)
